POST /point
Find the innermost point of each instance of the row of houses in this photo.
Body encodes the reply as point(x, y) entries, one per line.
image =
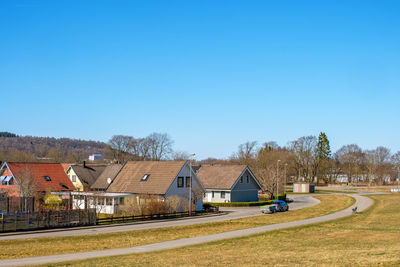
point(107, 186)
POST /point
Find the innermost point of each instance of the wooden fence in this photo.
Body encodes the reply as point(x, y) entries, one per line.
point(21, 221)
point(132, 218)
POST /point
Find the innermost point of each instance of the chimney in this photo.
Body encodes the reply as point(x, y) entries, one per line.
point(84, 164)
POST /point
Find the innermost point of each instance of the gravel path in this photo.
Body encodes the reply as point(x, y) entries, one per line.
point(362, 203)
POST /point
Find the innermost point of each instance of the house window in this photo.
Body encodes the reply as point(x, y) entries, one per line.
point(145, 177)
point(247, 179)
point(47, 178)
point(180, 181)
point(187, 181)
point(212, 194)
point(73, 178)
point(241, 179)
point(222, 194)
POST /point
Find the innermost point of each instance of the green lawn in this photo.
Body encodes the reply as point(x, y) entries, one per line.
point(371, 238)
point(48, 246)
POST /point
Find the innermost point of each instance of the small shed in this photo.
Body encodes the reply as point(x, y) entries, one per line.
point(303, 188)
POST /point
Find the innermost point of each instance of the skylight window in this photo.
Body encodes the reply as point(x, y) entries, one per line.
point(145, 177)
point(64, 186)
point(47, 178)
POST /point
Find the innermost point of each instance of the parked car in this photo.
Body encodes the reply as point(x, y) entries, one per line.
point(281, 205)
point(268, 209)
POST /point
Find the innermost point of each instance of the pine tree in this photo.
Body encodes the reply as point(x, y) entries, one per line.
point(323, 147)
point(323, 155)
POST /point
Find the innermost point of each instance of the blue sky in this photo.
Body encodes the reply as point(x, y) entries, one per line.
point(212, 74)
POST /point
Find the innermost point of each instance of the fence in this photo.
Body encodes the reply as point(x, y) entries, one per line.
point(17, 204)
point(132, 218)
point(19, 221)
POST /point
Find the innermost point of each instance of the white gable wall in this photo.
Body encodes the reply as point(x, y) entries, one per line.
point(183, 192)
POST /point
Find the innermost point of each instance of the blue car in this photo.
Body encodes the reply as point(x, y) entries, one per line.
point(280, 205)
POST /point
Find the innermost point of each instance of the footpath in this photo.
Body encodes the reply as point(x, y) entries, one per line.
point(362, 203)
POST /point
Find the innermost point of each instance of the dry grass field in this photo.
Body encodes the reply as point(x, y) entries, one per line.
point(59, 245)
point(371, 238)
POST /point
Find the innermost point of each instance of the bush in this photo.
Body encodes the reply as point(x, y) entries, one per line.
point(280, 197)
point(235, 204)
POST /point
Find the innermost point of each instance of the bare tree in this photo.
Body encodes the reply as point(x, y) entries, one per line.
point(246, 153)
point(351, 158)
point(304, 154)
point(120, 145)
point(180, 155)
point(160, 146)
point(27, 183)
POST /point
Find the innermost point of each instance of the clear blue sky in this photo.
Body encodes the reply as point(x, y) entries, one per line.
point(212, 74)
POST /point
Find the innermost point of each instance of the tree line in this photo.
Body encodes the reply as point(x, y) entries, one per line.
point(32, 149)
point(309, 159)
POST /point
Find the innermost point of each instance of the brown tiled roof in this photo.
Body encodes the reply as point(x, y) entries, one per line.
point(109, 172)
point(88, 174)
point(220, 176)
point(37, 171)
point(162, 174)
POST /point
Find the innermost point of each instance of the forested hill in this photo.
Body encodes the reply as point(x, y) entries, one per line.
point(30, 148)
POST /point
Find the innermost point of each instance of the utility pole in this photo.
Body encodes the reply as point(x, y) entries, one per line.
point(190, 187)
point(277, 179)
point(285, 180)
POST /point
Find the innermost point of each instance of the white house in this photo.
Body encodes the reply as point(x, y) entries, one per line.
point(108, 203)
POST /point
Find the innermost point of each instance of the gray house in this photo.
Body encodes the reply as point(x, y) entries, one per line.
point(229, 183)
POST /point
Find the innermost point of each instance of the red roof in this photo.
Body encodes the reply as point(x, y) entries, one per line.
point(58, 181)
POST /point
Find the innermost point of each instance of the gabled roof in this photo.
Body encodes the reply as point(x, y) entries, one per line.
point(38, 171)
point(221, 176)
point(162, 174)
point(88, 174)
point(109, 172)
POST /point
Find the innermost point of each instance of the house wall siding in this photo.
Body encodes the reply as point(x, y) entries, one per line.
point(217, 196)
point(183, 192)
point(78, 185)
point(246, 191)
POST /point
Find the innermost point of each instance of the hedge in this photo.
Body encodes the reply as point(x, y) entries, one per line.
point(241, 204)
point(236, 204)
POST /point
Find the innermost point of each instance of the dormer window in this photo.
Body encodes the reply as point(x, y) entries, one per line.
point(145, 177)
point(47, 178)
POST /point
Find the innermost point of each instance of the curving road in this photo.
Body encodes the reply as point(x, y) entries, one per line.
point(362, 203)
point(300, 201)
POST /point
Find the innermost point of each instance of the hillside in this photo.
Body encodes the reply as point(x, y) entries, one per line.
point(30, 148)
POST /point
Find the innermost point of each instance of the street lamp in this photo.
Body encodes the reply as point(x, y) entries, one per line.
point(277, 179)
point(190, 187)
point(285, 180)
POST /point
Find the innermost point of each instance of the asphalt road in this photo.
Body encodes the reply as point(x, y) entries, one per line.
point(300, 201)
point(362, 203)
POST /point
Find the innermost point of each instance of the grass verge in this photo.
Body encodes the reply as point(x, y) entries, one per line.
point(370, 238)
point(59, 245)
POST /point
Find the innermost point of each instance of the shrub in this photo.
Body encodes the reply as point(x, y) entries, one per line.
point(235, 204)
point(280, 197)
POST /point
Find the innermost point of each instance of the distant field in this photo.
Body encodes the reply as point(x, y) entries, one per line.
point(367, 239)
point(48, 246)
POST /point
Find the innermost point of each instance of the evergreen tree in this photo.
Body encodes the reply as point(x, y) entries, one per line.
point(322, 156)
point(323, 147)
